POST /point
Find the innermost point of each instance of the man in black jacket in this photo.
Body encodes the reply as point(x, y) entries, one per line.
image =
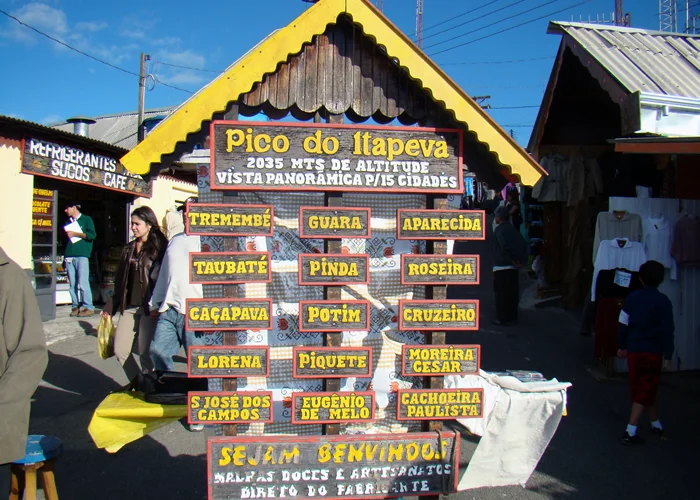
point(509, 256)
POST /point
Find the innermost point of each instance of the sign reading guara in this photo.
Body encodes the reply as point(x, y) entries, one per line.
point(335, 222)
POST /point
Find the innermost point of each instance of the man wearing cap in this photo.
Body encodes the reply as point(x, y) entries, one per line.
point(510, 254)
point(77, 260)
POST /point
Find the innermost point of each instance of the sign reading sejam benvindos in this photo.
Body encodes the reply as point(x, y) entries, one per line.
point(328, 157)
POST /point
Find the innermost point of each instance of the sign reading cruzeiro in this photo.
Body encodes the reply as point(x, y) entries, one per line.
point(439, 269)
point(332, 269)
point(326, 157)
point(206, 219)
point(228, 362)
point(439, 404)
point(332, 407)
point(428, 360)
point(238, 407)
point(229, 314)
point(231, 267)
point(333, 316)
point(437, 315)
point(335, 222)
point(331, 362)
point(440, 224)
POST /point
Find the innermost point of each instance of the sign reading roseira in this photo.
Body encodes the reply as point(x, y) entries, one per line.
point(328, 157)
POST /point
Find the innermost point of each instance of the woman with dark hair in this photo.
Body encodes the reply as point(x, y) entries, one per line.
point(139, 265)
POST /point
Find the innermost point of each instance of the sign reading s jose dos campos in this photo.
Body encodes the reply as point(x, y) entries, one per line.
point(315, 157)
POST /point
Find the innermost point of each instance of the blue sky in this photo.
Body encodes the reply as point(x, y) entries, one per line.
point(45, 82)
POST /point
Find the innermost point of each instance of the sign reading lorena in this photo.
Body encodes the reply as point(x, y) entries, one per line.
point(332, 408)
point(440, 224)
point(328, 269)
point(353, 467)
point(229, 220)
point(439, 404)
point(420, 360)
point(331, 362)
point(333, 316)
point(439, 269)
point(232, 267)
point(229, 407)
point(228, 362)
point(438, 315)
point(334, 222)
point(229, 314)
point(316, 157)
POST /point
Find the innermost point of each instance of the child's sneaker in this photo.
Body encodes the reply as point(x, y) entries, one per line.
point(636, 439)
point(656, 431)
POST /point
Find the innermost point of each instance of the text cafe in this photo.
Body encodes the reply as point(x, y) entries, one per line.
point(43, 169)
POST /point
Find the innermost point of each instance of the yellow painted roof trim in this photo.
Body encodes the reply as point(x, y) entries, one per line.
point(240, 78)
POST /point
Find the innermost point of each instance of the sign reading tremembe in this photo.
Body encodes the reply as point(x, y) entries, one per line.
point(208, 219)
point(326, 157)
point(370, 466)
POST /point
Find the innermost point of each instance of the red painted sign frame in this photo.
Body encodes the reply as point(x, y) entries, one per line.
point(225, 300)
point(439, 238)
point(332, 283)
point(230, 282)
point(402, 391)
point(335, 209)
point(189, 231)
point(439, 328)
point(228, 393)
point(426, 347)
point(330, 349)
point(372, 395)
point(266, 348)
point(441, 256)
point(326, 302)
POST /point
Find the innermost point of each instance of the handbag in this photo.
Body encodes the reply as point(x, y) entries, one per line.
point(105, 337)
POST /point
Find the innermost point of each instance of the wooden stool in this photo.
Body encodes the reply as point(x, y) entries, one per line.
point(40, 456)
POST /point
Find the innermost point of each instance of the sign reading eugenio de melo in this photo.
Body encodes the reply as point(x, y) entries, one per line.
point(325, 157)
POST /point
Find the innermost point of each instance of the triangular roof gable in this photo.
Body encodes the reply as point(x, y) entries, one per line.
point(241, 77)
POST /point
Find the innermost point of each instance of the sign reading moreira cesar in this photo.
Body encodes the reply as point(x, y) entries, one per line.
point(326, 157)
point(428, 360)
point(77, 165)
point(354, 467)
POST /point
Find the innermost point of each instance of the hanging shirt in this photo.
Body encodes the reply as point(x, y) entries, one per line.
point(686, 241)
point(608, 227)
point(552, 187)
point(657, 242)
point(618, 253)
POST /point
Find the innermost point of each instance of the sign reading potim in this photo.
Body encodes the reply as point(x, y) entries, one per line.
point(229, 314)
point(72, 164)
point(231, 267)
point(331, 362)
point(326, 157)
point(440, 224)
point(228, 362)
point(439, 404)
point(439, 269)
point(332, 408)
point(367, 466)
point(206, 219)
point(438, 315)
point(328, 269)
point(427, 360)
point(333, 316)
point(335, 222)
point(239, 407)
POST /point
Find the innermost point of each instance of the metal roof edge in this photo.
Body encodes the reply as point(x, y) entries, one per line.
point(559, 27)
point(670, 101)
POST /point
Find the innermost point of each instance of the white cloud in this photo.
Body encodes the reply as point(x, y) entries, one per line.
point(39, 15)
point(182, 58)
point(168, 41)
point(91, 26)
point(181, 76)
point(51, 119)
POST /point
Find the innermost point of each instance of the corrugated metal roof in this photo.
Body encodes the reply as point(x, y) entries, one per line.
point(641, 60)
point(117, 129)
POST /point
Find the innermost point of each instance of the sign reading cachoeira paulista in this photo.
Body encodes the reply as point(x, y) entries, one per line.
point(72, 164)
point(438, 315)
point(439, 269)
point(228, 362)
point(440, 224)
point(229, 314)
point(326, 157)
point(229, 407)
point(427, 360)
point(207, 219)
point(334, 222)
point(331, 362)
point(332, 407)
point(439, 404)
point(231, 267)
point(331, 269)
point(333, 316)
point(353, 467)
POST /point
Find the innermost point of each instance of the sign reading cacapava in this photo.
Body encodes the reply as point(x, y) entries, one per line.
point(329, 157)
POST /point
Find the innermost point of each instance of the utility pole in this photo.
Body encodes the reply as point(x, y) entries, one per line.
point(419, 22)
point(140, 132)
point(668, 15)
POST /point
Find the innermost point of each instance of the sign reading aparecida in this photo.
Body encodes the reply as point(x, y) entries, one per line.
point(327, 157)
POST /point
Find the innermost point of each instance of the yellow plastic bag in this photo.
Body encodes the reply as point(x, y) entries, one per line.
point(105, 337)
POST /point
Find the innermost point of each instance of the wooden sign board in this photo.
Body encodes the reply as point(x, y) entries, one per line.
point(328, 269)
point(336, 222)
point(439, 404)
point(333, 316)
point(430, 361)
point(229, 268)
point(333, 467)
point(328, 157)
point(228, 362)
point(228, 314)
point(438, 315)
point(331, 362)
point(440, 224)
point(332, 407)
point(439, 269)
point(239, 407)
point(206, 219)
point(43, 209)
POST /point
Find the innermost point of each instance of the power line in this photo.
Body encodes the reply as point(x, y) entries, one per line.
point(456, 17)
point(515, 107)
point(497, 62)
point(157, 80)
point(523, 125)
point(187, 67)
point(508, 29)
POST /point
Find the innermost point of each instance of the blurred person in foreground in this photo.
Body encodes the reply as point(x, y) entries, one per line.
point(510, 254)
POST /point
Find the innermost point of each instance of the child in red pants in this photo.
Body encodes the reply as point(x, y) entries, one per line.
point(645, 338)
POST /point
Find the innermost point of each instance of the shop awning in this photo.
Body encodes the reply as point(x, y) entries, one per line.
point(504, 154)
point(658, 145)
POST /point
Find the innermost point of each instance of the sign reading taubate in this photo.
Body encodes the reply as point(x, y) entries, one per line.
point(439, 269)
point(440, 224)
point(331, 362)
point(207, 219)
point(229, 314)
point(229, 407)
point(332, 408)
point(316, 157)
point(228, 268)
point(438, 315)
point(329, 269)
point(334, 222)
point(333, 316)
point(427, 360)
point(439, 404)
point(228, 362)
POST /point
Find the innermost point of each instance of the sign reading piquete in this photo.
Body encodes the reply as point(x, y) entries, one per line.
point(317, 157)
point(206, 219)
point(331, 362)
point(232, 267)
